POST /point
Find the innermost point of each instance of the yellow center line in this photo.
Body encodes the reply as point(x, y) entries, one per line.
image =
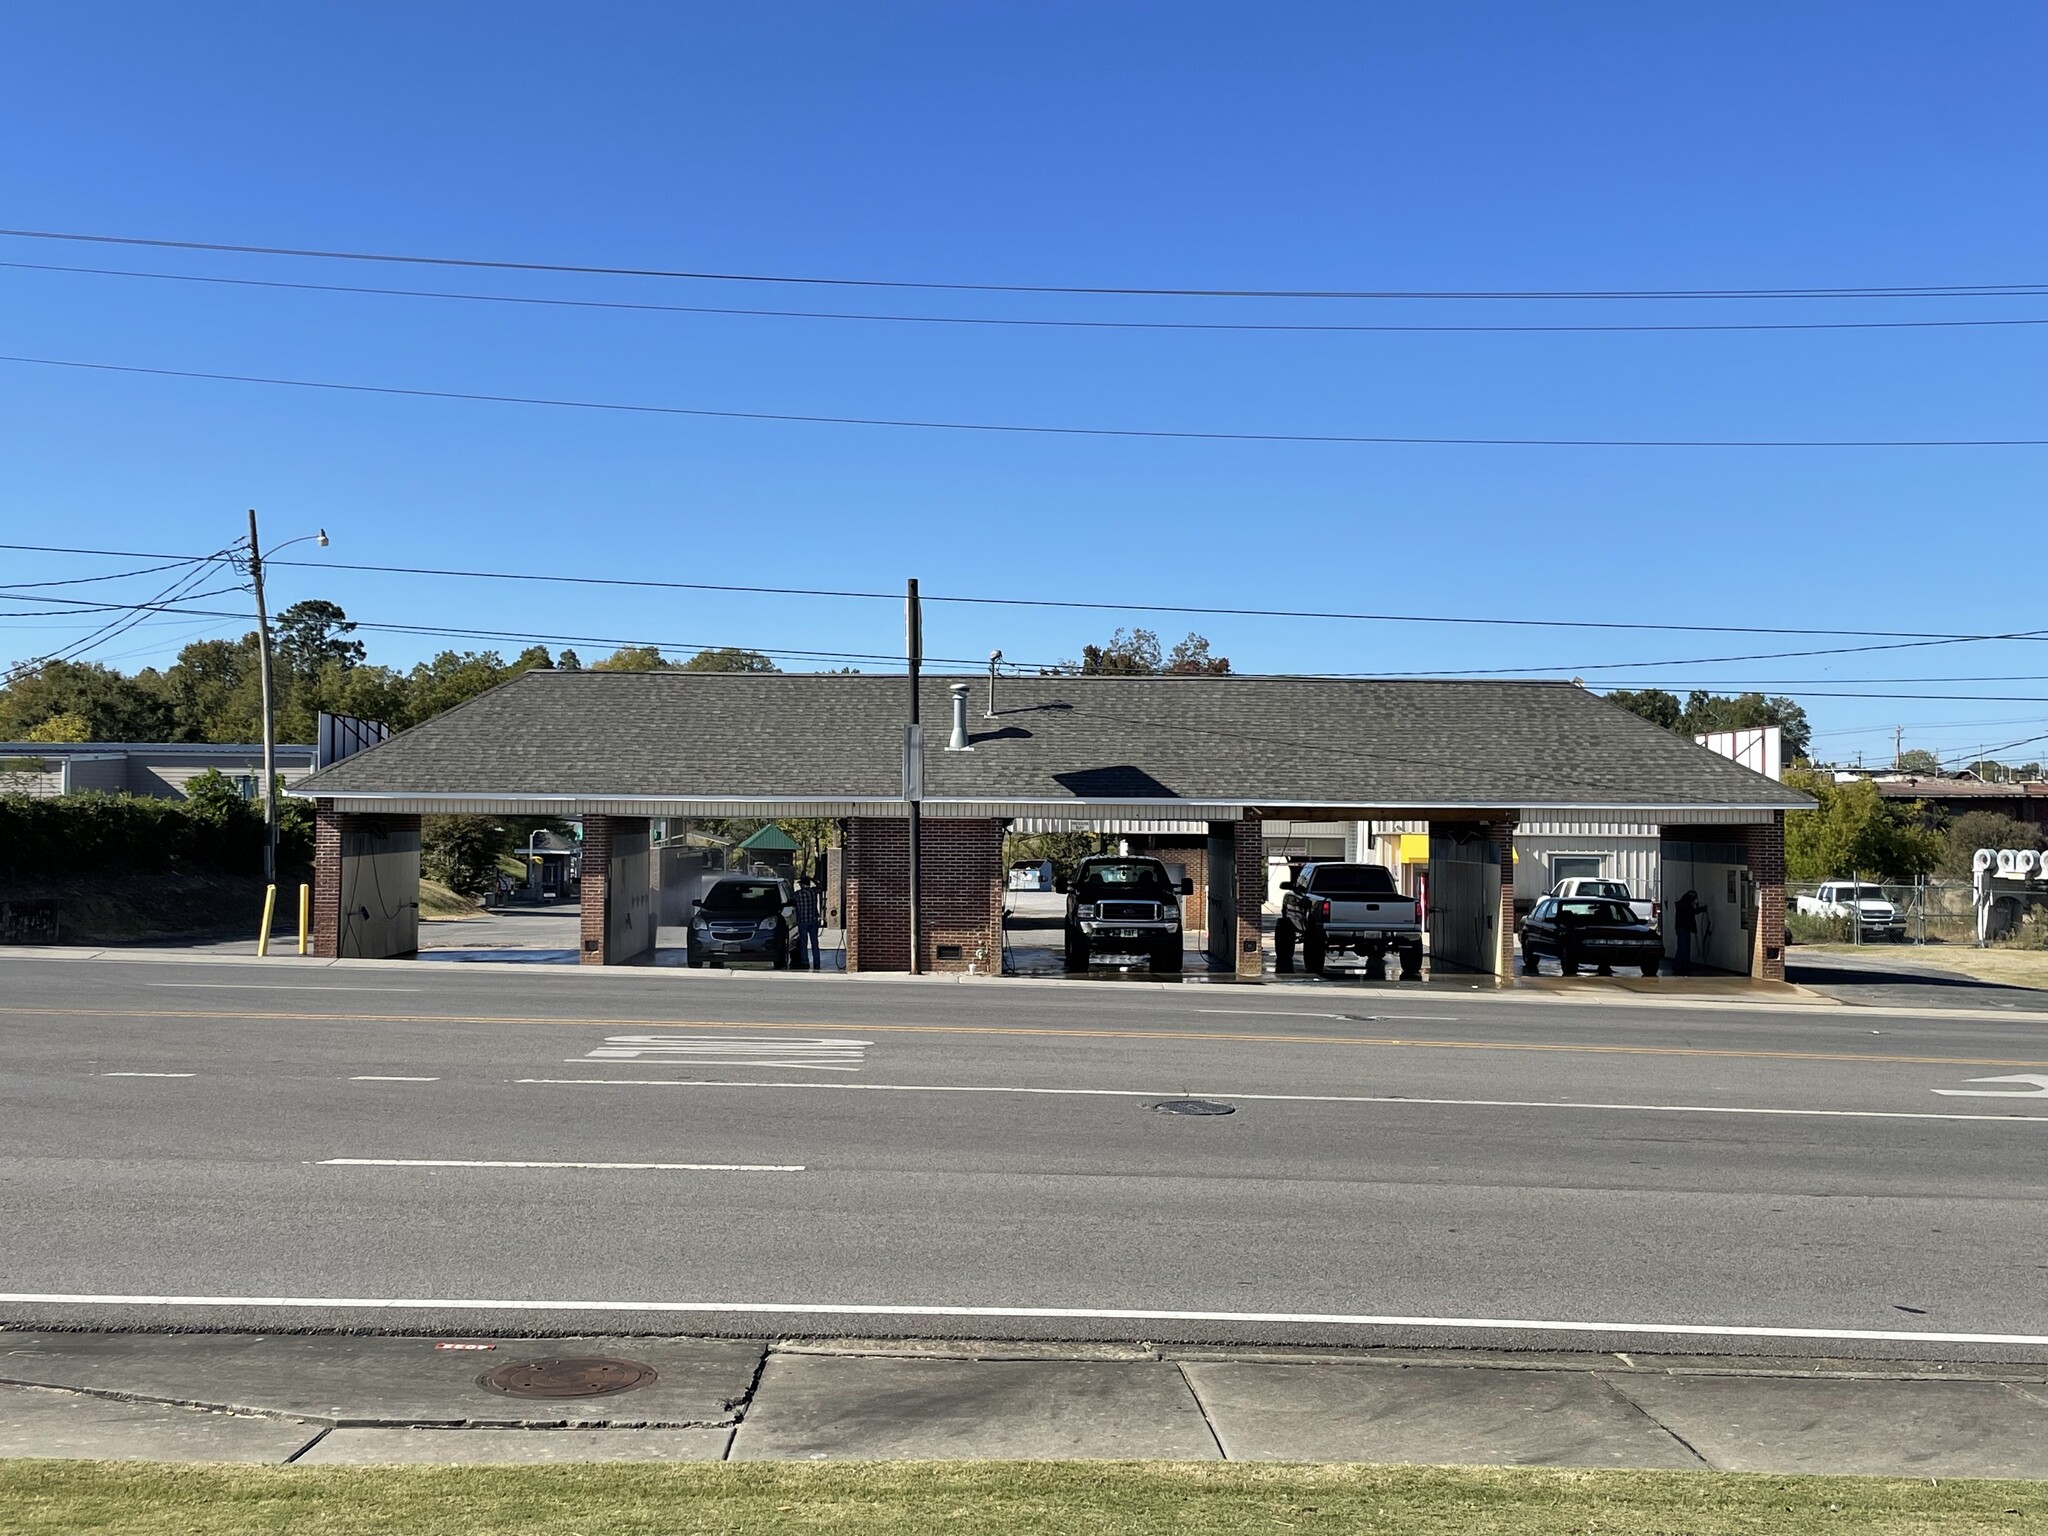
point(1378, 1041)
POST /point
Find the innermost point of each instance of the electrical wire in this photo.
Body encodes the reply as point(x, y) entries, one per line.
point(134, 613)
point(1889, 291)
point(1015, 321)
point(1041, 602)
point(1154, 434)
point(80, 581)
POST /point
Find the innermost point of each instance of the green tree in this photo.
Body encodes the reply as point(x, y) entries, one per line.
point(312, 634)
point(1137, 653)
point(1918, 760)
point(643, 658)
point(1983, 829)
point(1703, 712)
point(65, 727)
point(1653, 704)
point(729, 658)
point(462, 851)
point(1856, 834)
point(114, 708)
point(215, 690)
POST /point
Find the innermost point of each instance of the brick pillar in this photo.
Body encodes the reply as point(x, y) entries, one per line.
point(326, 880)
point(1764, 847)
point(962, 891)
point(1504, 930)
point(594, 890)
point(1251, 896)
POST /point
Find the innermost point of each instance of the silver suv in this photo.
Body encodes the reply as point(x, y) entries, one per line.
point(743, 917)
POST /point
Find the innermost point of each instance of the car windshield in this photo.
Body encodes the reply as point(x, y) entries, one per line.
point(1342, 880)
point(1611, 890)
point(1594, 912)
point(747, 898)
point(1869, 893)
point(1138, 877)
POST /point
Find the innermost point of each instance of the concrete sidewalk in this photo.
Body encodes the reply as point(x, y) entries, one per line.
point(334, 1400)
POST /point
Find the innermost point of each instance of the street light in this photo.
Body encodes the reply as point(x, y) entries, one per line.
point(269, 718)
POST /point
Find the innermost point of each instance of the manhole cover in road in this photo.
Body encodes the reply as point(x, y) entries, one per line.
point(1194, 1107)
point(569, 1376)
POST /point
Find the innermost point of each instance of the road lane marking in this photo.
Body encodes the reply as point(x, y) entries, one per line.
point(815, 1054)
point(1371, 1041)
point(145, 1074)
point(394, 1079)
point(456, 1162)
point(1278, 1013)
point(1287, 1098)
point(1106, 1314)
point(277, 986)
point(2038, 1090)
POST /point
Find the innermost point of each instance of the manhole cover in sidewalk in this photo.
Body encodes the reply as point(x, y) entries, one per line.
point(569, 1376)
point(1194, 1107)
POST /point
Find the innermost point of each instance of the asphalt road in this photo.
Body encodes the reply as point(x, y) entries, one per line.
point(273, 1145)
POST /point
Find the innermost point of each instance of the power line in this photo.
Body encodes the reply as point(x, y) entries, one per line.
point(1066, 603)
point(1026, 429)
point(1891, 291)
point(1014, 321)
point(178, 590)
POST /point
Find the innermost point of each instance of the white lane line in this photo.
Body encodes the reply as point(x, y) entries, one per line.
point(817, 1055)
point(145, 1074)
point(277, 986)
point(1108, 1314)
point(1286, 1098)
point(454, 1162)
point(1276, 1013)
point(394, 1079)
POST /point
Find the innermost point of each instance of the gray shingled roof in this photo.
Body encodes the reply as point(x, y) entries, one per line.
point(1246, 740)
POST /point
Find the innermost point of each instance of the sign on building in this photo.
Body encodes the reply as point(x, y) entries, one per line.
point(344, 736)
point(1760, 748)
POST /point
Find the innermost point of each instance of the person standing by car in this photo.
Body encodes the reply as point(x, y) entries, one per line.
point(1684, 922)
point(806, 904)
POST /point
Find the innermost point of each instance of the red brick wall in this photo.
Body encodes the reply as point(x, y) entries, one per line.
point(961, 891)
point(1251, 896)
point(595, 883)
point(1764, 846)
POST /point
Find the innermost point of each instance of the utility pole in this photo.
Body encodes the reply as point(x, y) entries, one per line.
point(1898, 744)
point(913, 763)
point(269, 719)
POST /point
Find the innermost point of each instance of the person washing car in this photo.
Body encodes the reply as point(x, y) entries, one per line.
point(807, 904)
point(1684, 922)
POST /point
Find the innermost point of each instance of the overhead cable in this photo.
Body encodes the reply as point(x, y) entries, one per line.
point(1025, 429)
point(1883, 291)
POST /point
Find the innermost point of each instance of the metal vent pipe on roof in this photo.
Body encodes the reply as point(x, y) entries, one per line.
point(958, 743)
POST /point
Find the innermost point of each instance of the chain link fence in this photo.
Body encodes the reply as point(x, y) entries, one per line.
point(1936, 911)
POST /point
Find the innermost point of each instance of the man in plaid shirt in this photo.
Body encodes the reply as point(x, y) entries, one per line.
point(807, 906)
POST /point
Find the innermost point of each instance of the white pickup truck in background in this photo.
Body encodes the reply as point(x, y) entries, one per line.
point(1840, 899)
point(1587, 886)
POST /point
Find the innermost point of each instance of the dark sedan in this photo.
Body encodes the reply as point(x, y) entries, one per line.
point(1581, 930)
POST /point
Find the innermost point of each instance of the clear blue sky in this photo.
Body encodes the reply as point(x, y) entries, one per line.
point(1478, 146)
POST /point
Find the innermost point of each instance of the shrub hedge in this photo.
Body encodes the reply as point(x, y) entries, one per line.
point(94, 834)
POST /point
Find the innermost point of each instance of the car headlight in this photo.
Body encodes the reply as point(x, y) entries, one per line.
point(1085, 910)
point(701, 924)
point(766, 925)
point(1173, 919)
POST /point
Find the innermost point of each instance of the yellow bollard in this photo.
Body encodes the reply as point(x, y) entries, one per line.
point(305, 915)
point(269, 911)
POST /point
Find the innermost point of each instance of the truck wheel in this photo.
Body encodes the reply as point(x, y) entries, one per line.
point(1315, 953)
point(1077, 954)
point(1283, 948)
point(1167, 957)
point(1411, 965)
point(1376, 965)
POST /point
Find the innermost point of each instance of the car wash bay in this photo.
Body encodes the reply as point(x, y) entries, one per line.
point(1222, 754)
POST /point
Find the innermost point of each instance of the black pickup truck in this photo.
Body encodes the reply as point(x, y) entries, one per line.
point(1347, 908)
point(1124, 907)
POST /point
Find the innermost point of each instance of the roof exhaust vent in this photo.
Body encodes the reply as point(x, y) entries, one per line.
point(995, 661)
point(958, 743)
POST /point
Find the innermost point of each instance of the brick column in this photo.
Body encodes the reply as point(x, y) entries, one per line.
point(326, 880)
point(1764, 847)
point(962, 892)
point(1251, 896)
point(594, 890)
point(1504, 931)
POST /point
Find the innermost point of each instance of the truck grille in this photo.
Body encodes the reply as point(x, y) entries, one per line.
point(1128, 911)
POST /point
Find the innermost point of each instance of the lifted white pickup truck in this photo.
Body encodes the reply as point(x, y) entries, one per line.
point(1606, 890)
point(1840, 898)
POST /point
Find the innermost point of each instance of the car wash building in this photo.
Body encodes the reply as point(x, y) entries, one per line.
point(1468, 761)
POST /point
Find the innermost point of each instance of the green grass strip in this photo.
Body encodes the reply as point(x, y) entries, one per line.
point(41, 1498)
